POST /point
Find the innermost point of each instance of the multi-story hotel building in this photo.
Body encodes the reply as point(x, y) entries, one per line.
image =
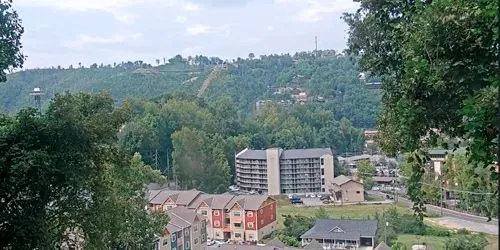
point(276, 171)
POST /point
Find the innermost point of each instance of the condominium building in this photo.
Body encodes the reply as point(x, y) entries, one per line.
point(276, 171)
point(186, 230)
point(221, 216)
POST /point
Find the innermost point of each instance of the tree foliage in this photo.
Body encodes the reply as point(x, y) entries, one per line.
point(244, 81)
point(365, 172)
point(63, 172)
point(199, 140)
point(433, 76)
point(11, 56)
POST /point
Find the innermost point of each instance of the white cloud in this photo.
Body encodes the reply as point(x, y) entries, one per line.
point(116, 7)
point(316, 8)
point(85, 39)
point(199, 29)
point(270, 28)
point(180, 19)
point(191, 7)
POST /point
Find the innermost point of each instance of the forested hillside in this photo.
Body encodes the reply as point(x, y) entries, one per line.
point(332, 78)
point(197, 141)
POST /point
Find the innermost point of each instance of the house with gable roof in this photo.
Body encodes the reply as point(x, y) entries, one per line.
point(345, 189)
point(342, 233)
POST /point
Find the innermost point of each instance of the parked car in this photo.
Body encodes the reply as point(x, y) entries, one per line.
point(296, 201)
point(313, 196)
point(210, 242)
point(389, 197)
point(326, 201)
point(324, 197)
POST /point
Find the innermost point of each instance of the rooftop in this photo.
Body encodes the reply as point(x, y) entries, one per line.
point(286, 154)
point(341, 229)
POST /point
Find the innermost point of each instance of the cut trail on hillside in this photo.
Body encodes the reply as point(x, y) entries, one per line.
point(215, 72)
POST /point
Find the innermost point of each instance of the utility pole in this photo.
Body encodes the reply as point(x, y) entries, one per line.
point(385, 232)
point(441, 177)
point(156, 160)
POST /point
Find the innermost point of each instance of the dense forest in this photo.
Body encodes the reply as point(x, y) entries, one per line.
point(191, 115)
point(330, 80)
point(196, 141)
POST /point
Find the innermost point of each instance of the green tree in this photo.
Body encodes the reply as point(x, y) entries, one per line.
point(433, 77)
point(365, 172)
point(321, 213)
point(296, 225)
point(189, 157)
point(62, 172)
point(463, 242)
point(11, 56)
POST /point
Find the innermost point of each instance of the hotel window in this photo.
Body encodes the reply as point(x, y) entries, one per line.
point(237, 235)
point(322, 171)
point(238, 225)
point(186, 245)
point(250, 214)
point(204, 212)
point(322, 161)
point(165, 242)
point(195, 241)
point(358, 192)
point(217, 223)
point(250, 224)
point(173, 237)
point(186, 232)
point(236, 213)
point(322, 181)
point(195, 228)
point(250, 236)
point(216, 212)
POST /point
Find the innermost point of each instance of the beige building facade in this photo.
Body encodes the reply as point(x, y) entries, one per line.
point(347, 190)
point(276, 171)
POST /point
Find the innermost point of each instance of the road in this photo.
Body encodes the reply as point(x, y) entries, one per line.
point(454, 219)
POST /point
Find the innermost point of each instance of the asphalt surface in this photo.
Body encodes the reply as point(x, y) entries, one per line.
point(455, 219)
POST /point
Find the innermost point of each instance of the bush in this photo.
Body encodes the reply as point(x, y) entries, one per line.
point(466, 242)
point(435, 231)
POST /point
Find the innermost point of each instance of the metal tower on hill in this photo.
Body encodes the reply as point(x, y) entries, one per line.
point(37, 94)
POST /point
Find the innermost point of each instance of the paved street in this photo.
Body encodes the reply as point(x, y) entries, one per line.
point(454, 219)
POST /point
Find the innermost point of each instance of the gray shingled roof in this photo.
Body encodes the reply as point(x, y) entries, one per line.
point(382, 246)
point(276, 243)
point(183, 198)
point(342, 179)
point(305, 153)
point(351, 229)
point(214, 201)
point(248, 202)
point(252, 154)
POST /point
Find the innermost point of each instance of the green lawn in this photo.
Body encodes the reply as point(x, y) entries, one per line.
point(370, 197)
point(346, 211)
point(436, 243)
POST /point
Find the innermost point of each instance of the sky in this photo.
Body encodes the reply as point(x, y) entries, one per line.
point(64, 32)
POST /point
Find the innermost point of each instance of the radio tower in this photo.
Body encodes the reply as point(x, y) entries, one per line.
point(37, 94)
point(316, 46)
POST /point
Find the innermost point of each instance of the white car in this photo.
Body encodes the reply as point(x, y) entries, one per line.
point(290, 196)
point(210, 242)
point(313, 196)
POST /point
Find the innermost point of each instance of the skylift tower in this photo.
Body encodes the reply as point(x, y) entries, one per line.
point(37, 95)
